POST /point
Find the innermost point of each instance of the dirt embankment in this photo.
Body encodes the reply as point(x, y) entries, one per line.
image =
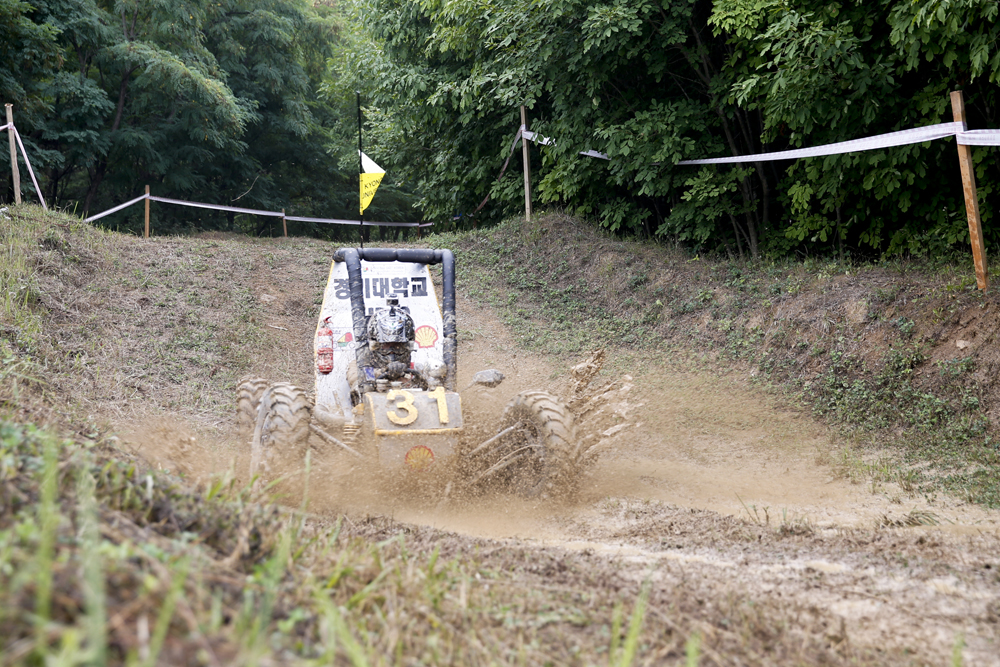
point(901, 354)
point(739, 511)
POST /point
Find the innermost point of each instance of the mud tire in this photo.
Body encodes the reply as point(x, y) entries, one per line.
point(248, 395)
point(281, 434)
point(553, 465)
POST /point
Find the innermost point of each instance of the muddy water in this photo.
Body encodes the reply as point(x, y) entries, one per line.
point(692, 440)
point(695, 441)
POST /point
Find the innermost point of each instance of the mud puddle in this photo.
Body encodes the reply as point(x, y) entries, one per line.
point(695, 441)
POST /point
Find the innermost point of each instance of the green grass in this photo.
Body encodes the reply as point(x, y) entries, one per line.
point(20, 323)
point(17, 275)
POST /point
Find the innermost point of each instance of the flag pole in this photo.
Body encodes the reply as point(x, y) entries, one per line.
point(361, 170)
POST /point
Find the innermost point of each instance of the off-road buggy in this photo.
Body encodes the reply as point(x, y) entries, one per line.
point(386, 388)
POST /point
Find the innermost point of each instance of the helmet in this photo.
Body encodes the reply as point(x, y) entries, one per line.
point(390, 325)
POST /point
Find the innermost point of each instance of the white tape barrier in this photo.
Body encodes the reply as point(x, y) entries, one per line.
point(294, 218)
point(366, 223)
point(549, 141)
point(252, 211)
point(979, 138)
point(524, 133)
point(214, 207)
point(901, 138)
point(115, 209)
point(534, 136)
point(34, 181)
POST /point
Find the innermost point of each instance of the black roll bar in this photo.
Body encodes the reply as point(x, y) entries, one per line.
point(446, 258)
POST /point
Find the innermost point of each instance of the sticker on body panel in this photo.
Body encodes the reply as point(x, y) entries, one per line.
point(384, 287)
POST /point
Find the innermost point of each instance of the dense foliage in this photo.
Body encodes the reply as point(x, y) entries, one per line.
point(652, 82)
point(252, 102)
point(207, 101)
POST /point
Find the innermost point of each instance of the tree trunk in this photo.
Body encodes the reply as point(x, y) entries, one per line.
point(96, 176)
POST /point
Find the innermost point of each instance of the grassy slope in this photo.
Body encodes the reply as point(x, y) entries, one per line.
point(102, 559)
point(903, 355)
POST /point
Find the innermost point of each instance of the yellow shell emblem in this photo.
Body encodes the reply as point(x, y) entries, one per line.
point(425, 336)
point(419, 457)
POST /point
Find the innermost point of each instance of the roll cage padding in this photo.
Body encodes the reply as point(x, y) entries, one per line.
point(446, 258)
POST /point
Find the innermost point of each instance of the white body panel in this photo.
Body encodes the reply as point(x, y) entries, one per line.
point(411, 284)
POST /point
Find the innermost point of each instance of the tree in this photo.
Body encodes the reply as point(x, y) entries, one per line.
point(650, 83)
point(639, 81)
point(212, 101)
point(26, 50)
point(820, 73)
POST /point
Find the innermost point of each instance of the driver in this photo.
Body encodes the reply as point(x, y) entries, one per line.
point(390, 334)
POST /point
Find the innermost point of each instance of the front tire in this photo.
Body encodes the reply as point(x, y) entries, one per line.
point(281, 433)
point(546, 445)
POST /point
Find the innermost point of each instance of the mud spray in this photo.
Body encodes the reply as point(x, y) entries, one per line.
point(690, 440)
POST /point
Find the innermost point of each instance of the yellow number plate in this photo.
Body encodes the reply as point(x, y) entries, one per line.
point(415, 411)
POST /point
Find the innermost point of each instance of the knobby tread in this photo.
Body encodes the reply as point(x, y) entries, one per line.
point(282, 430)
point(556, 432)
point(248, 394)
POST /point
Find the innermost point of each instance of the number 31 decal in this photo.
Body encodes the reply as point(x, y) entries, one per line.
point(404, 401)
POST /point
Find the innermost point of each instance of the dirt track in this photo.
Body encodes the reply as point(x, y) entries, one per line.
point(715, 490)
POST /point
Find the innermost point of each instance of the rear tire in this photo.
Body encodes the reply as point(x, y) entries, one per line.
point(281, 434)
point(548, 439)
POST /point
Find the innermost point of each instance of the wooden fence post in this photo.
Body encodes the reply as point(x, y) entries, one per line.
point(284, 223)
point(527, 167)
point(971, 199)
point(146, 235)
point(13, 154)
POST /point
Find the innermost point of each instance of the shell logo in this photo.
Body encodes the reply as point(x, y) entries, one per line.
point(425, 336)
point(419, 458)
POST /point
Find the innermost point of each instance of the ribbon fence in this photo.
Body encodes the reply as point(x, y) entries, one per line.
point(249, 211)
point(964, 137)
point(15, 139)
point(915, 135)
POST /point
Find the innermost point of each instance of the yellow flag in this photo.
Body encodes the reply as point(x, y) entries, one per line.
point(370, 180)
point(369, 184)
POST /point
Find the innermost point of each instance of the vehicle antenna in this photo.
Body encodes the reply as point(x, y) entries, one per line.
point(361, 170)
